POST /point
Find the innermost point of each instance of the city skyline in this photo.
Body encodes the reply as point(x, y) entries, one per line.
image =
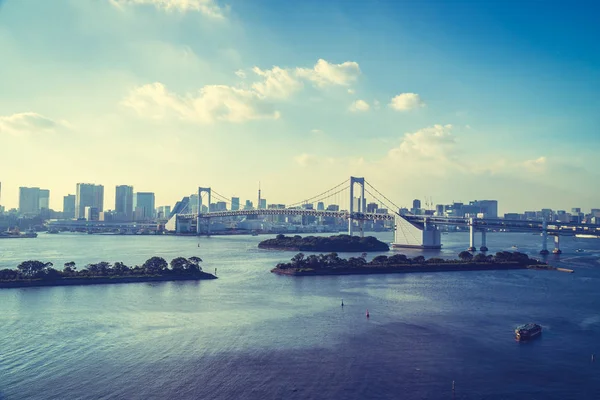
point(423, 105)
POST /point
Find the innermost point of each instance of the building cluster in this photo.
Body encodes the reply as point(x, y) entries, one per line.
point(88, 204)
point(474, 209)
point(575, 216)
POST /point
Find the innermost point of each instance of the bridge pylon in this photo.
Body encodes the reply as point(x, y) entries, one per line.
point(198, 219)
point(360, 208)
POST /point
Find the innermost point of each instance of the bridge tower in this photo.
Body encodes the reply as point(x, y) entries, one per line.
point(200, 191)
point(361, 182)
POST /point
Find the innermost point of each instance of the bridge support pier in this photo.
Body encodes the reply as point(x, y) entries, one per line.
point(557, 249)
point(361, 182)
point(200, 191)
point(544, 250)
point(483, 241)
point(471, 236)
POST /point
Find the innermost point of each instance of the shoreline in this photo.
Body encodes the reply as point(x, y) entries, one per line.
point(411, 268)
point(102, 281)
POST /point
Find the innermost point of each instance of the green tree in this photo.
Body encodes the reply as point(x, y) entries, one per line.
point(380, 260)
point(179, 264)
point(155, 265)
point(32, 268)
point(194, 264)
point(465, 256)
point(418, 259)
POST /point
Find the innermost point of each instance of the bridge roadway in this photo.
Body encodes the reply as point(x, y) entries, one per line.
point(553, 228)
point(562, 228)
point(288, 211)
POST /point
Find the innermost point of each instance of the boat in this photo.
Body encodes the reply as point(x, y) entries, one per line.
point(515, 247)
point(528, 331)
point(53, 230)
point(579, 251)
point(17, 235)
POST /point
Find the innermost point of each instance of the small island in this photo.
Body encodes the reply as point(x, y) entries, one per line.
point(331, 264)
point(338, 243)
point(156, 269)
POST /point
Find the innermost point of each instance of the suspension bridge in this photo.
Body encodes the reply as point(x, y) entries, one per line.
point(413, 231)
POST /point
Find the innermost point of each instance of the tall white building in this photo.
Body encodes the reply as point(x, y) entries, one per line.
point(88, 195)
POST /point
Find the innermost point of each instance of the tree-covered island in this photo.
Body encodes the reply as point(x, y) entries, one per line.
point(338, 243)
point(331, 264)
point(156, 269)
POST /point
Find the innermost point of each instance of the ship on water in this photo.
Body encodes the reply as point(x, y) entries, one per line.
point(528, 331)
point(15, 234)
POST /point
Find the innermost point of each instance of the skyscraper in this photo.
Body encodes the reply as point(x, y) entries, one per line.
point(69, 206)
point(29, 200)
point(44, 199)
point(88, 195)
point(263, 204)
point(124, 202)
point(235, 203)
point(143, 203)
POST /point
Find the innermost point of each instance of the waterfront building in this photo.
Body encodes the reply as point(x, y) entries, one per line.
point(416, 207)
point(88, 195)
point(333, 207)
point(29, 200)
point(320, 206)
point(69, 206)
point(91, 213)
point(249, 205)
point(235, 203)
point(143, 203)
point(372, 207)
point(489, 208)
point(263, 204)
point(124, 203)
point(44, 199)
point(221, 206)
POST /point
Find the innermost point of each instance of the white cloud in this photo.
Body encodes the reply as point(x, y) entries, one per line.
point(241, 74)
point(350, 91)
point(29, 123)
point(376, 104)
point(207, 7)
point(211, 103)
point(305, 159)
point(435, 142)
point(406, 102)
point(359, 106)
point(278, 83)
point(326, 74)
point(537, 165)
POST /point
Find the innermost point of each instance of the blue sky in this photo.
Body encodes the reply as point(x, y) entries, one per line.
point(455, 100)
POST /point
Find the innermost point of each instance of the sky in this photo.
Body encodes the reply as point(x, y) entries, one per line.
point(449, 100)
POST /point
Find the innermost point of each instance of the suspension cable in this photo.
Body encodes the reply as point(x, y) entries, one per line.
point(317, 196)
point(381, 194)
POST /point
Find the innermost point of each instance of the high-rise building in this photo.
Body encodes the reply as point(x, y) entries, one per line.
point(263, 204)
point(69, 206)
point(144, 206)
point(372, 207)
point(221, 206)
point(44, 199)
point(124, 202)
point(235, 203)
point(488, 207)
point(29, 200)
point(439, 210)
point(416, 205)
point(320, 206)
point(91, 213)
point(163, 212)
point(249, 205)
point(88, 195)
